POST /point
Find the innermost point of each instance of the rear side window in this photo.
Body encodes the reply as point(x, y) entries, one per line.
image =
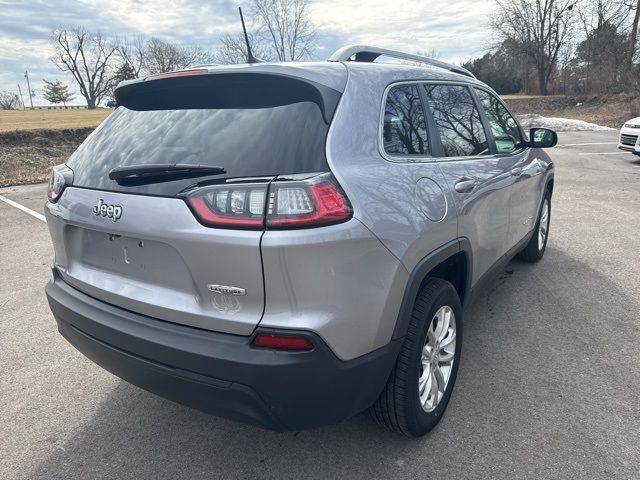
point(504, 128)
point(457, 120)
point(404, 130)
point(252, 125)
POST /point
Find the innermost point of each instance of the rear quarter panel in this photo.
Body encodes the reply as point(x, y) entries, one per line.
point(338, 281)
point(387, 196)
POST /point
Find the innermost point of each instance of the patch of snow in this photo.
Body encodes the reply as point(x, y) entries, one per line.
point(558, 124)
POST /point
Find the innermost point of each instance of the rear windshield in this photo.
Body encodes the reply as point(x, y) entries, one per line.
point(252, 125)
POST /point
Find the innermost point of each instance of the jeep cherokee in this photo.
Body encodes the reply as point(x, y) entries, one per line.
point(289, 244)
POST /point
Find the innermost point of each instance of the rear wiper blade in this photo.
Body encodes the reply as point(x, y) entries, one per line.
point(159, 170)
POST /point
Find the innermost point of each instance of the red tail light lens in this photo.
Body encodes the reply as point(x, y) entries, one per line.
point(282, 342)
point(315, 202)
point(230, 206)
point(281, 204)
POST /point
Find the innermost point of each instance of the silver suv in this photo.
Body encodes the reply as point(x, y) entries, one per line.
point(291, 244)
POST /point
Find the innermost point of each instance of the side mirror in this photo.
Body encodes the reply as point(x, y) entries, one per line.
point(542, 138)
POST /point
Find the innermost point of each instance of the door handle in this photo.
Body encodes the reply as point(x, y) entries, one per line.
point(465, 185)
point(516, 171)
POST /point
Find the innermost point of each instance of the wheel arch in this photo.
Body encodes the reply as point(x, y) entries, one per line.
point(451, 262)
point(549, 185)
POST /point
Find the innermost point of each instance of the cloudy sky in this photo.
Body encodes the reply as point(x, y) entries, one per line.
point(455, 29)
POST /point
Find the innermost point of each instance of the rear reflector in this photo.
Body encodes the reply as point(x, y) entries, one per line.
point(282, 342)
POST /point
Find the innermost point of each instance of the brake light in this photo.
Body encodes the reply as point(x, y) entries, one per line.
point(230, 206)
point(61, 177)
point(179, 73)
point(282, 342)
point(315, 202)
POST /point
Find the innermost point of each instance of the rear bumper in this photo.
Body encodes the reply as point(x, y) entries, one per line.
point(221, 373)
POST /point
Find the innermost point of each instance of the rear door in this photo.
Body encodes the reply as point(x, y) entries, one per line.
point(137, 244)
point(479, 181)
point(526, 190)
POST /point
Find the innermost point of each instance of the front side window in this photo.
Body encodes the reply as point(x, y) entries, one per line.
point(458, 120)
point(404, 129)
point(504, 128)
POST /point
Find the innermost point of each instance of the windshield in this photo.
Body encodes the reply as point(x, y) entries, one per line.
point(248, 137)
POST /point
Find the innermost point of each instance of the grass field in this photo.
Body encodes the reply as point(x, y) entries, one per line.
point(11, 120)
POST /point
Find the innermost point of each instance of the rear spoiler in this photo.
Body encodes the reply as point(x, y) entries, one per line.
point(206, 89)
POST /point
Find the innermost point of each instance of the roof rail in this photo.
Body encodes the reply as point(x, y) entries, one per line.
point(367, 53)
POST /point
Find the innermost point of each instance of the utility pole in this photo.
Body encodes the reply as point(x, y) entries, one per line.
point(21, 97)
point(26, 75)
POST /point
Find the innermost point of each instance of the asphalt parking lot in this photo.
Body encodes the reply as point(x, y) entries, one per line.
point(549, 384)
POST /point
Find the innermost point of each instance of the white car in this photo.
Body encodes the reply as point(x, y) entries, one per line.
point(630, 136)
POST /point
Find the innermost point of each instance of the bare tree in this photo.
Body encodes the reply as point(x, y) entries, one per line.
point(124, 72)
point(634, 36)
point(287, 25)
point(9, 101)
point(538, 29)
point(432, 53)
point(131, 52)
point(161, 56)
point(89, 57)
point(596, 16)
point(234, 49)
point(280, 30)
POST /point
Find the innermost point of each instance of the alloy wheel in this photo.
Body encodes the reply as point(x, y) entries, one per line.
point(438, 355)
point(543, 228)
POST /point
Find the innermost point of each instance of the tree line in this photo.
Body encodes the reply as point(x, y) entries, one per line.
point(279, 30)
point(541, 46)
point(563, 47)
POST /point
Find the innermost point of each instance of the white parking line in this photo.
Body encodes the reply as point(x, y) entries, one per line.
point(605, 153)
point(581, 144)
point(33, 213)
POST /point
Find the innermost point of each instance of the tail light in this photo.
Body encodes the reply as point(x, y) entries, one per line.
point(310, 203)
point(276, 341)
point(61, 177)
point(282, 204)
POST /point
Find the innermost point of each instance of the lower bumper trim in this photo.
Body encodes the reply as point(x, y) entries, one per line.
point(628, 148)
point(223, 398)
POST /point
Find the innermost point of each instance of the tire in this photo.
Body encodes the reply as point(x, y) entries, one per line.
point(535, 249)
point(400, 407)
